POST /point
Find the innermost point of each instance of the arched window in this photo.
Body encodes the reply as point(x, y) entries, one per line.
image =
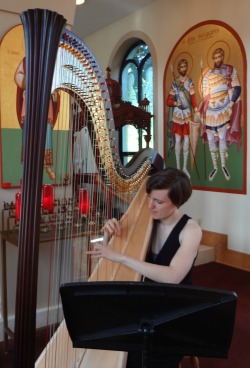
point(136, 80)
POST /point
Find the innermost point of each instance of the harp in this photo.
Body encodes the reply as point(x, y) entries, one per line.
point(57, 60)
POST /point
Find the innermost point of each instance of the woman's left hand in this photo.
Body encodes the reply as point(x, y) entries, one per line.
point(102, 251)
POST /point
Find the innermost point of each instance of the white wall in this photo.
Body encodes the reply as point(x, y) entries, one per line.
point(161, 24)
point(10, 10)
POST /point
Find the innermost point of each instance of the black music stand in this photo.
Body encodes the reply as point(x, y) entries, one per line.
point(149, 317)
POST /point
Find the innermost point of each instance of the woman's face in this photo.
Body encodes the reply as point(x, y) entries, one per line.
point(160, 205)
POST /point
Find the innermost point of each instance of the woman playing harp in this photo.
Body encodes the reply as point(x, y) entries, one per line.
point(174, 243)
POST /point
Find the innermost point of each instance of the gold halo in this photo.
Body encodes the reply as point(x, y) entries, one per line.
point(218, 44)
point(188, 57)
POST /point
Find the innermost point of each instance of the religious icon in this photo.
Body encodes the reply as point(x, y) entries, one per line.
point(205, 119)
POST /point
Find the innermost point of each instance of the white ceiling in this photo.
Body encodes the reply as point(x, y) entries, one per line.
point(96, 14)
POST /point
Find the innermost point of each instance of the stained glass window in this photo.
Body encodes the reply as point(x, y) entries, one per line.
point(136, 80)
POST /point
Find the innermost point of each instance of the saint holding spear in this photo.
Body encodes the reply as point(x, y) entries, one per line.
point(182, 113)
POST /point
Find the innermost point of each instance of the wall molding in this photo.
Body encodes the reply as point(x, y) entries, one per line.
point(42, 318)
point(224, 255)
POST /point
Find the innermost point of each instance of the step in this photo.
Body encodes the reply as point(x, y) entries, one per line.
point(205, 255)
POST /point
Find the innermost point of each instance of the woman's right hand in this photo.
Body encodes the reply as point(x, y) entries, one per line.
point(112, 227)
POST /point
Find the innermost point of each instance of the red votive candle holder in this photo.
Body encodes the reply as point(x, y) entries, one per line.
point(18, 198)
point(84, 203)
point(48, 197)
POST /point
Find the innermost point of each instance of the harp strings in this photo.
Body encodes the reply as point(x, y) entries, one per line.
point(67, 256)
point(68, 259)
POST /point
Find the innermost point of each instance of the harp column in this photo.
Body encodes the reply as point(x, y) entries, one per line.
point(42, 31)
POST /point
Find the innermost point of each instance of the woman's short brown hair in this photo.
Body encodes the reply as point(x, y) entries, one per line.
point(175, 180)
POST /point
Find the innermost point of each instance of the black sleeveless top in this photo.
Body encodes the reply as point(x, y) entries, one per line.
point(169, 248)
